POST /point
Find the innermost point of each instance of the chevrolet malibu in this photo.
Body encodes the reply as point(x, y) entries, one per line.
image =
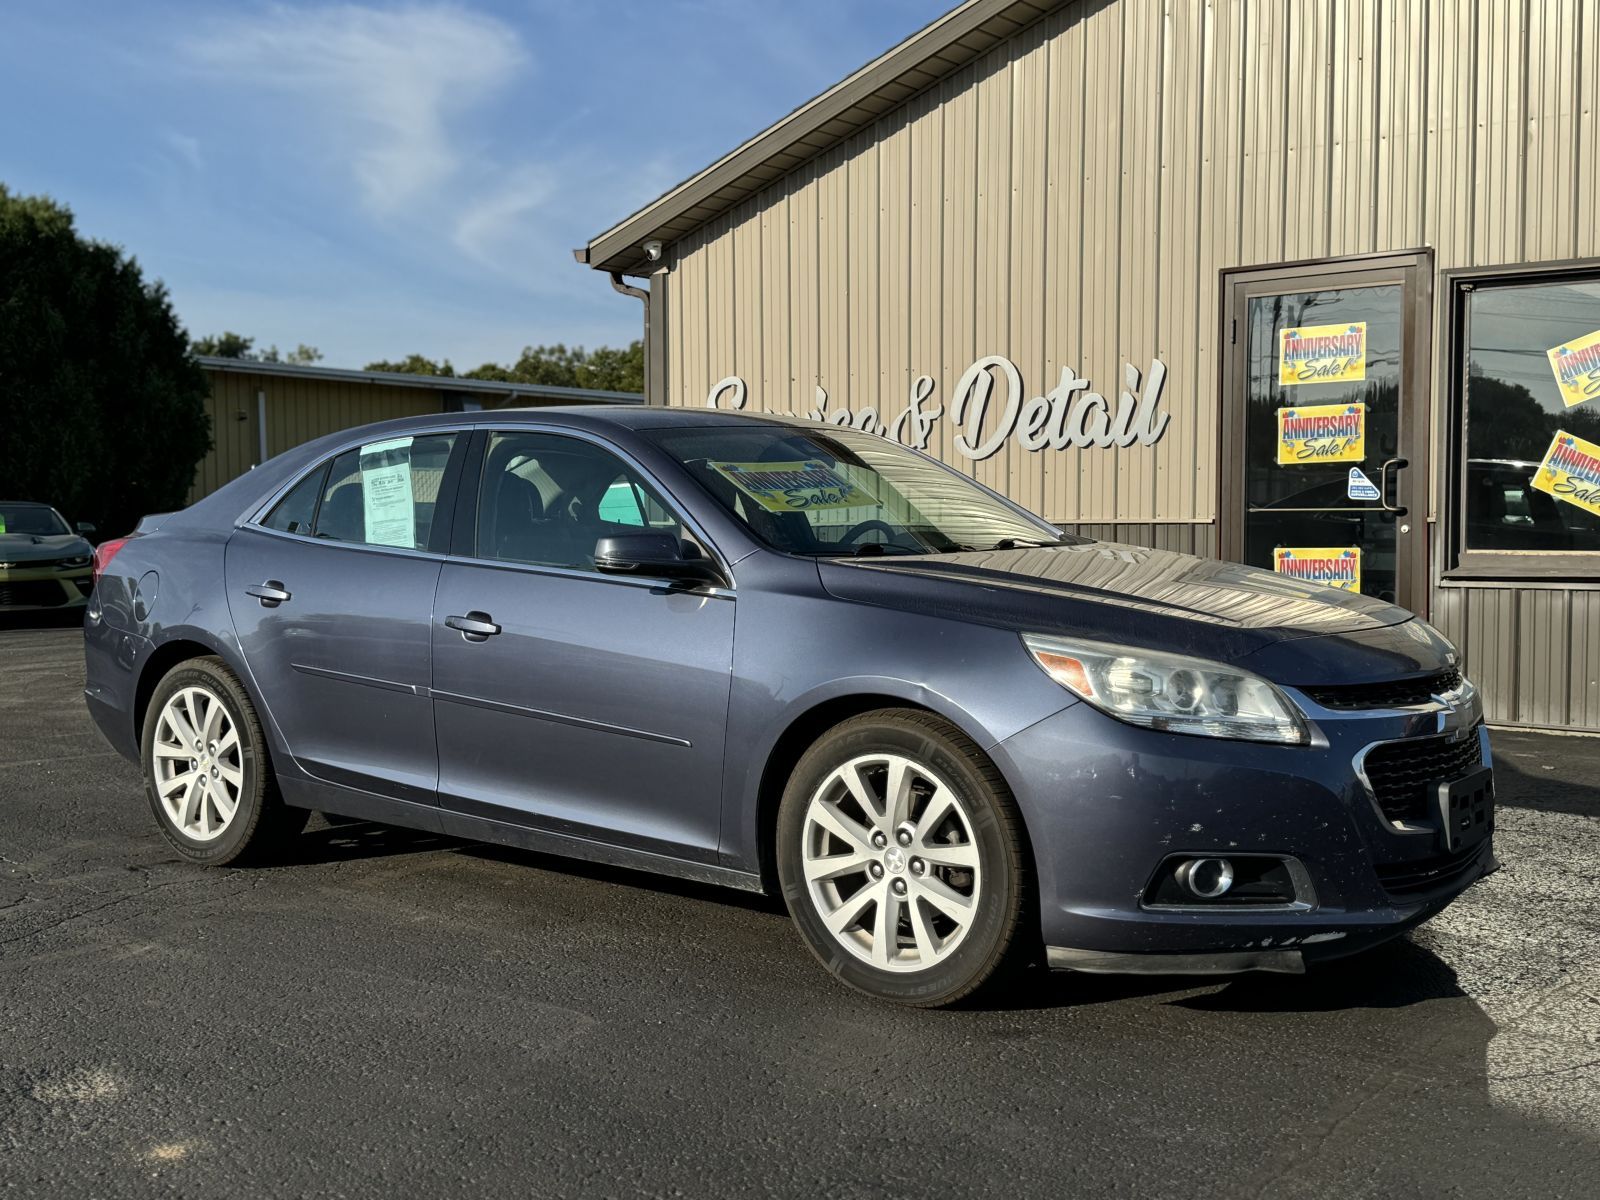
point(791, 657)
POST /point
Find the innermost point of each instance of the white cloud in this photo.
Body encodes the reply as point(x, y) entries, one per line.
point(185, 148)
point(385, 90)
point(492, 221)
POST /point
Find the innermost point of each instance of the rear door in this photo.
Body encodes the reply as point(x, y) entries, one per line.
point(332, 597)
point(566, 700)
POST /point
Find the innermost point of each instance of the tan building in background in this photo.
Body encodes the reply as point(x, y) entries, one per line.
point(1179, 197)
point(261, 409)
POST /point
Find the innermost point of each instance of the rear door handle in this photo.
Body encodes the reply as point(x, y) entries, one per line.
point(271, 593)
point(474, 626)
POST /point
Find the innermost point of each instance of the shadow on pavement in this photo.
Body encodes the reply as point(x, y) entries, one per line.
point(47, 618)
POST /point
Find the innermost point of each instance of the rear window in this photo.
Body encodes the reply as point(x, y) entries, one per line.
point(384, 493)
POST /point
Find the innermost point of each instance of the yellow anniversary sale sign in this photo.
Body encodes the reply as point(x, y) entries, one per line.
point(1322, 354)
point(793, 486)
point(1577, 368)
point(1571, 472)
point(1336, 566)
point(1319, 433)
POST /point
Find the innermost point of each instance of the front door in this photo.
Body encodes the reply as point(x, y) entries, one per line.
point(572, 702)
point(1325, 419)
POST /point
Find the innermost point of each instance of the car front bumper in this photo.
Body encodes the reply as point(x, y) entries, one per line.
point(1110, 806)
point(26, 588)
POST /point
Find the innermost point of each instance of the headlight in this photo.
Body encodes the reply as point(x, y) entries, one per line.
point(72, 564)
point(1170, 692)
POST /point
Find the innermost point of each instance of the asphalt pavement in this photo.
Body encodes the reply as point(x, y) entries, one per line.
point(399, 1014)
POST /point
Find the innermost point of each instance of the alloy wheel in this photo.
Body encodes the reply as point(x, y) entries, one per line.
point(199, 771)
point(890, 862)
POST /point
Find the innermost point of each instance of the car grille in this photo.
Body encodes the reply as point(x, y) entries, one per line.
point(1395, 693)
point(1403, 774)
point(29, 593)
point(1425, 875)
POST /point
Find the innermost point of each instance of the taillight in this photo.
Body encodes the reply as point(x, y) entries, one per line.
point(104, 553)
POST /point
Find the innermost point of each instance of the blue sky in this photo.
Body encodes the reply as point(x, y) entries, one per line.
point(381, 179)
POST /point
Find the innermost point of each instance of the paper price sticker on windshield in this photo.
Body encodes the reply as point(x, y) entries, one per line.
point(1571, 472)
point(1336, 566)
point(1577, 368)
point(1322, 354)
point(1321, 433)
point(793, 486)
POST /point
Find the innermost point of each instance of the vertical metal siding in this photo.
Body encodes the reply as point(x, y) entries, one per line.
point(1070, 198)
point(297, 411)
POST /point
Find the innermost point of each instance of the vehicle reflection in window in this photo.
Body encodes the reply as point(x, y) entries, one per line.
point(1514, 409)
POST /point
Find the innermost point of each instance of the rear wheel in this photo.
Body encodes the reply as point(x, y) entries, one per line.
point(207, 775)
point(902, 859)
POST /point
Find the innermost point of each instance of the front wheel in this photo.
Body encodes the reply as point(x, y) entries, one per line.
point(902, 858)
point(207, 775)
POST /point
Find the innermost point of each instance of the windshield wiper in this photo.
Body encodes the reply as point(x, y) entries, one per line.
point(1018, 543)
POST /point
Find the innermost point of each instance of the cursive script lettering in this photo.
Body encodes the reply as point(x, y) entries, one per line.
point(1068, 415)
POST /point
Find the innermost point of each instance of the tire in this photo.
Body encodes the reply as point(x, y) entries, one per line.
point(950, 866)
point(190, 790)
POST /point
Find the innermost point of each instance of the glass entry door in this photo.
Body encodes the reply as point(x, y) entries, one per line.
point(1324, 420)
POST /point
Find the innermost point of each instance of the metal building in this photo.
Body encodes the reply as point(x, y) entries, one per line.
point(259, 409)
point(1311, 285)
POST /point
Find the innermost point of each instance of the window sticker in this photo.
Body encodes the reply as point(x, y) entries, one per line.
point(1359, 487)
point(1577, 368)
point(1336, 566)
point(1571, 472)
point(386, 493)
point(793, 486)
point(1322, 354)
point(1320, 433)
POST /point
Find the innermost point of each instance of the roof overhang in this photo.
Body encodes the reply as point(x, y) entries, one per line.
point(888, 81)
point(440, 383)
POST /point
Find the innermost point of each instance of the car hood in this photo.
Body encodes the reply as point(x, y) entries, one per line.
point(1154, 599)
point(33, 547)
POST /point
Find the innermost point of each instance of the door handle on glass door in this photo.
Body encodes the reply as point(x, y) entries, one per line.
point(1399, 464)
point(271, 593)
point(474, 626)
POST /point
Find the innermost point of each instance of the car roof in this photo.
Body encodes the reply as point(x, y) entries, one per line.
point(606, 416)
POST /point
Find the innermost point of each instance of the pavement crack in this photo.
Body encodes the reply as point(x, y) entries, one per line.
point(91, 910)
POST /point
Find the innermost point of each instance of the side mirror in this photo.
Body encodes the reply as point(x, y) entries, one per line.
point(657, 555)
point(86, 527)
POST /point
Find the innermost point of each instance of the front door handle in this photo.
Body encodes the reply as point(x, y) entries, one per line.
point(271, 593)
point(1399, 464)
point(474, 626)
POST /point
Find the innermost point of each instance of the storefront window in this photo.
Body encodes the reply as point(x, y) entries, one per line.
point(1527, 478)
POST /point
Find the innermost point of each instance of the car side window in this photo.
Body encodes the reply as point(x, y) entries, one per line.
point(546, 500)
point(296, 511)
point(384, 493)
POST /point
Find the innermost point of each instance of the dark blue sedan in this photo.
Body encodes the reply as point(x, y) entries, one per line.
point(788, 656)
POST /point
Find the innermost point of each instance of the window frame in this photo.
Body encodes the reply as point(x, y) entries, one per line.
point(1461, 563)
point(463, 539)
point(439, 534)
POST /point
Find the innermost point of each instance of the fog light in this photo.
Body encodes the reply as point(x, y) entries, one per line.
point(1207, 878)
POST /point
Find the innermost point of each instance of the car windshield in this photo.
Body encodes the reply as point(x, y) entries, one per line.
point(834, 492)
point(38, 519)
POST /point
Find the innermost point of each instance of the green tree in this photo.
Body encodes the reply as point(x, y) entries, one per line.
point(102, 408)
point(236, 345)
point(603, 369)
point(301, 356)
point(414, 364)
point(225, 345)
